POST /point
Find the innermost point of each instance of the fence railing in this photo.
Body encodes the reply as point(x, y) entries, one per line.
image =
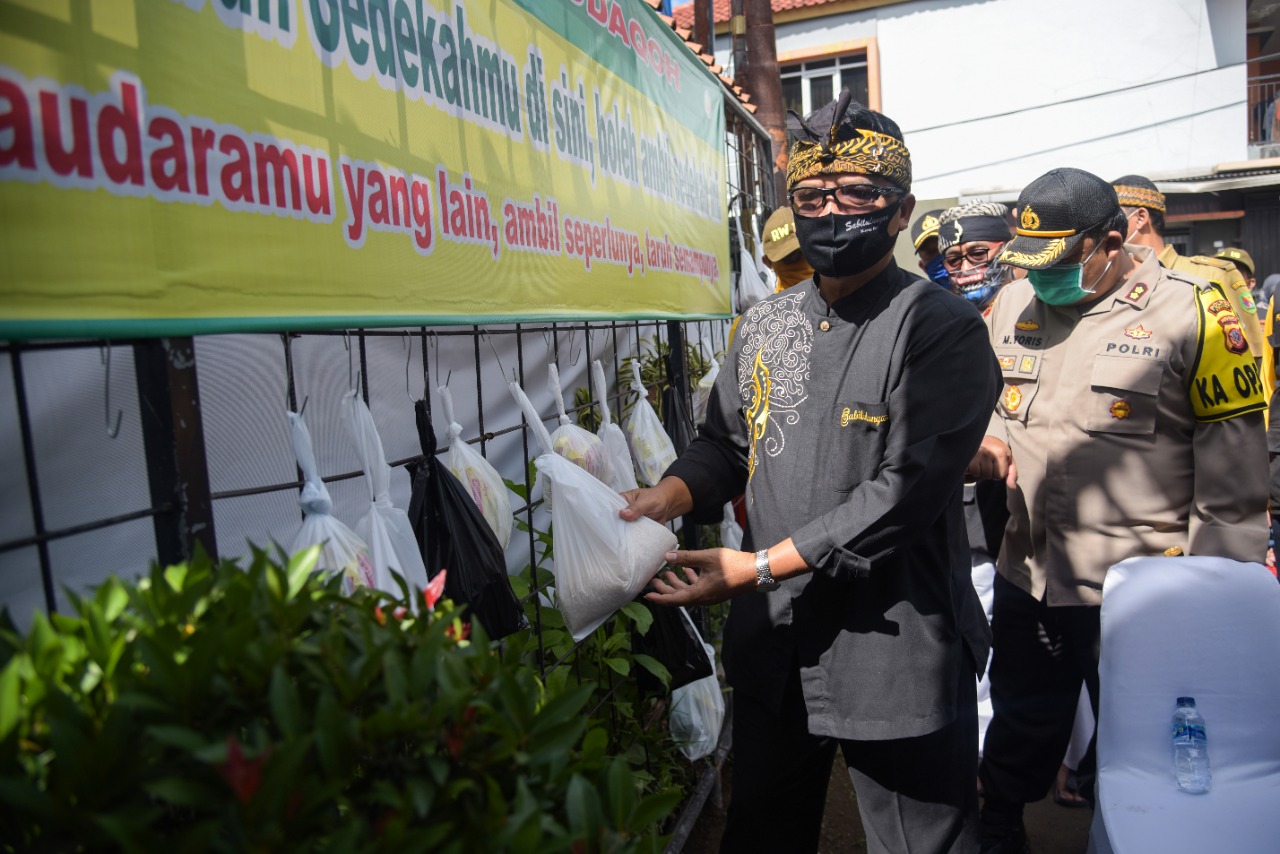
point(1264, 100)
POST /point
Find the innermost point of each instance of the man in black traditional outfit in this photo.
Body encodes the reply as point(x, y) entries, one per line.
point(848, 408)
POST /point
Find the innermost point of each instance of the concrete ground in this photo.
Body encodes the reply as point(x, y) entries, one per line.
point(1053, 829)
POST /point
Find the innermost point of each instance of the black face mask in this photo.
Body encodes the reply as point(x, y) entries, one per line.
point(846, 244)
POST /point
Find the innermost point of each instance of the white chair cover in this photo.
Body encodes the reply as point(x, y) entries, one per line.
point(1201, 627)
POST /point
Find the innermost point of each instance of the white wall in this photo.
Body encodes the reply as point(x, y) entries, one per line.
point(948, 66)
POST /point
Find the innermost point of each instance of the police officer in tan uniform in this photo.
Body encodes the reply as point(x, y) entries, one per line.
point(1144, 205)
point(1129, 424)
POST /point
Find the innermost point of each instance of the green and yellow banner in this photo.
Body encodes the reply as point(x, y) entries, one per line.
point(173, 167)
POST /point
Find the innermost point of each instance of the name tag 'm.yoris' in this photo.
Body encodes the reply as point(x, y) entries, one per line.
point(849, 416)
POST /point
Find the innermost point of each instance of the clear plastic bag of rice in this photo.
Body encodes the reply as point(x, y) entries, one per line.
point(650, 445)
point(697, 712)
point(482, 481)
point(623, 472)
point(601, 561)
point(580, 447)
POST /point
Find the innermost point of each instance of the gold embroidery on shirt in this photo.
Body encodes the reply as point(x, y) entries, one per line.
point(758, 411)
point(847, 417)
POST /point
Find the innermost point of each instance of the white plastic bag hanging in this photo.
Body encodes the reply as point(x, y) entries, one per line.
point(751, 282)
point(480, 478)
point(702, 392)
point(650, 445)
point(697, 711)
point(342, 552)
point(757, 255)
point(392, 545)
point(601, 561)
point(580, 447)
point(615, 443)
point(730, 530)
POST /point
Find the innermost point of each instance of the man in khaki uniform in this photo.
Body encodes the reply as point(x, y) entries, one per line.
point(1144, 205)
point(1129, 424)
point(1244, 263)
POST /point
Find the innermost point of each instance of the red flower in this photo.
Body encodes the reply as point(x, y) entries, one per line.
point(459, 635)
point(244, 776)
point(399, 613)
point(379, 616)
point(434, 589)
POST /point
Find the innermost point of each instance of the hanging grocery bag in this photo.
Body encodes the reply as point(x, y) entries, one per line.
point(672, 641)
point(730, 530)
point(342, 552)
point(650, 446)
point(478, 476)
point(702, 392)
point(392, 546)
point(697, 711)
point(452, 534)
point(622, 470)
point(752, 284)
point(601, 561)
point(580, 447)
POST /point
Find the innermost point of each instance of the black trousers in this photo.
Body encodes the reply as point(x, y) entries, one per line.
point(1040, 656)
point(915, 795)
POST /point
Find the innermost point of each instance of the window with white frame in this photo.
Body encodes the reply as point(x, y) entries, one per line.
point(809, 85)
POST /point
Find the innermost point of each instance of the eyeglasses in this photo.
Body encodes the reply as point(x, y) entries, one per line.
point(977, 254)
point(811, 201)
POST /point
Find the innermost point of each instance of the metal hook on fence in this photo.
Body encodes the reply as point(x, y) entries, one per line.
point(104, 356)
point(502, 370)
point(303, 407)
point(407, 345)
point(573, 360)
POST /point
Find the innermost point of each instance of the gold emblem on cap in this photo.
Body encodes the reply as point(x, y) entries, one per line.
point(1173, 551)
point(929, 223)
point(1029, 219)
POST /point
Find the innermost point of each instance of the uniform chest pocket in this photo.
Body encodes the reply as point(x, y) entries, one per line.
point(1123, 395)
point(862, 433)
point(1021, 371)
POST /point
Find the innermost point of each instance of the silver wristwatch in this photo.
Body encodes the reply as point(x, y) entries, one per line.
point(764, 579)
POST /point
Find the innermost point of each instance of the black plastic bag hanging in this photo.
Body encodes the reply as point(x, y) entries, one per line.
point(675, 411)
point(671, 640)
point(453, 535)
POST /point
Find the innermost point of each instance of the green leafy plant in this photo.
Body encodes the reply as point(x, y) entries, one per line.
point(213, 708)
point(653, 373)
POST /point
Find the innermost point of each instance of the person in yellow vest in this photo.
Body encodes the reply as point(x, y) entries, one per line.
point(1144, 205)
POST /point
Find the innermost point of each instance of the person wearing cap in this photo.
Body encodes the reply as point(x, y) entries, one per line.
point(1243, 262)
point(924, 237)
point(1144, 205)
point(848, 409)
point(1129, 424)
point(782, 252)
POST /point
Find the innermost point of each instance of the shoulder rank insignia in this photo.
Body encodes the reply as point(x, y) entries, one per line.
point(1138, 333)
point(1012, 398)
point(1225, 381)
point(1121, 409)
point(1136, 292)
point(1026, 325)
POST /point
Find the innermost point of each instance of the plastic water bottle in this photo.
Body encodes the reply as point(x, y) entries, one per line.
point(1190, 748)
